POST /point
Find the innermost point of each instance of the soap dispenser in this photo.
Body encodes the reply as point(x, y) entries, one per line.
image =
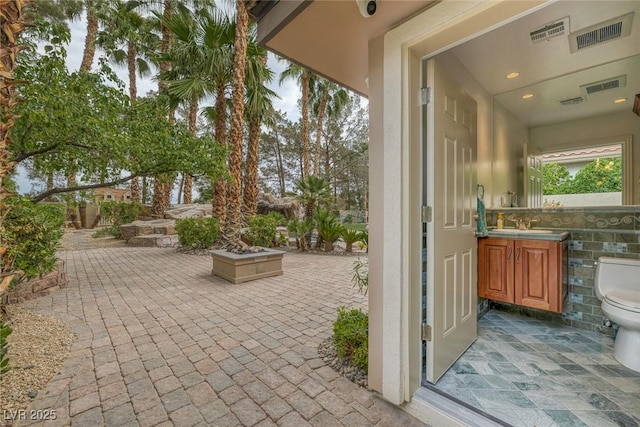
point(500, 221)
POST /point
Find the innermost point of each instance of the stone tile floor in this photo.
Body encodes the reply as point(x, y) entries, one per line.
point(162, 342)
point(528, 372)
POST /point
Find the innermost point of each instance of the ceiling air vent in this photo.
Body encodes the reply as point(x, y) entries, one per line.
point(550, 31)
point(571, 101)
point(612, 29)
point(595, 87)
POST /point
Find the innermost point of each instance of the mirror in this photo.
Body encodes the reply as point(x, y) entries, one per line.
point(581, 115)
point(554, 75)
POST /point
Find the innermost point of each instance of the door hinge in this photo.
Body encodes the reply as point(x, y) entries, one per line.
point(425, 95)
point(426, 214)
point(426, 332)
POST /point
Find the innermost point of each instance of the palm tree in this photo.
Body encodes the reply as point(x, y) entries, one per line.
point(96, 10)
point(304, 78)
point(259, 105)
point(130, 40)
point(234, 195)
point(312, 191)
point(326, 98)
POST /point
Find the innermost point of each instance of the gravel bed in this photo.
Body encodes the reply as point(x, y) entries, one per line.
point(38, 347)
point(327, 351)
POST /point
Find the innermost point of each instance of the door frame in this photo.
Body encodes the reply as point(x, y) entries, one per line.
point(437, 29)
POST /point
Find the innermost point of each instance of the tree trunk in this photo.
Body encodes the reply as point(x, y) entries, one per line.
point(250, 201)
point(161, 195)
point(180, 188)
point(251, 164)
point(321, 110)
point(135, 190)
point(234, 210)
point(188, 190)
point(144, 196)
point(305, 124)
point(90, 39)
point(166, 42)
point(12, 25)
point(280, 168)
point(131, 65)
point(187, 179)
point(219, 201)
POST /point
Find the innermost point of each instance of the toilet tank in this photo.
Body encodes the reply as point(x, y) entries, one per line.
point(616, 273)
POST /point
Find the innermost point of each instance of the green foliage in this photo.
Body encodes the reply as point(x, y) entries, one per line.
point(350, 236)
point(598, 176)
point(364, 237)
point(360, 276)
point(555, 179)
point(104, 137)
point(5, 331)
point(262, 230)
point(351, 336)
point(330, 231)
point(120, 213)
point(280, 220)
point(312, 192)
point(32, 233)
point(197, 233)
point(301, 230)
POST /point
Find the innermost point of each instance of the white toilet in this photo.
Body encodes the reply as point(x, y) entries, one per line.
point(617, 285)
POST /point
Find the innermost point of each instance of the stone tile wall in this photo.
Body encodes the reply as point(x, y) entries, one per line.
point(593, 232)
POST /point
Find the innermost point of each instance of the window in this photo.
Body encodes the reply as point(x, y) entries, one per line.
point(597, 174)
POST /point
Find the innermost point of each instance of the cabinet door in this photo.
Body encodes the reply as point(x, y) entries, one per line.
point(538, 274)
point(495, 269)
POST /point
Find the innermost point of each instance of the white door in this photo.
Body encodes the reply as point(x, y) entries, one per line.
point(450, 175)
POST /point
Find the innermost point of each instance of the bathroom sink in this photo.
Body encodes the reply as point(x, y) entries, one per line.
point(515, 230)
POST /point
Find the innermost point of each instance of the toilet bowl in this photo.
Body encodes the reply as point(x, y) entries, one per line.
point(617, 285)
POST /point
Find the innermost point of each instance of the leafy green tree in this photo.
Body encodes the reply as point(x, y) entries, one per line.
point(108, 140)
point(555, 179)
point(599, 176)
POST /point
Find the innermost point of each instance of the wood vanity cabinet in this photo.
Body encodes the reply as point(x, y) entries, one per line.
point(527, 272)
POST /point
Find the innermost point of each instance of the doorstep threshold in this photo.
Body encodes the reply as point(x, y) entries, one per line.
point(436, 408)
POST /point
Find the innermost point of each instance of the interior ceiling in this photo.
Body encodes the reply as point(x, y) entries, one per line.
point(549, 70)
point(326, 24)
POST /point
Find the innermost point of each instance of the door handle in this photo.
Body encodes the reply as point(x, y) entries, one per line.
point(518, 255)
point(509, 253)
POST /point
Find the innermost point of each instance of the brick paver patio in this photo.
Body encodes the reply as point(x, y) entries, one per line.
point(163, 342)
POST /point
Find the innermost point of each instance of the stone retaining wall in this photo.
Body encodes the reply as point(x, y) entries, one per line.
point(38, 287)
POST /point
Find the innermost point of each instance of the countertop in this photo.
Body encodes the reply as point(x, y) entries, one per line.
point(513, 233)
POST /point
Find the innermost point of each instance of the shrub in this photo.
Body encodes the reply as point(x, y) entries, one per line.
point(280, 220)
point(364, 238)
point(32, 233)
point(360, 276)
point(119, 213)
point(330, 231)
point(5, 331)
point(262, 230)
point(302, 230)
point(351, 336)
point(350, 237)
point(197, 233)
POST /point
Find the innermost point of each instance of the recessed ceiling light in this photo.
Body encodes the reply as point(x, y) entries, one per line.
point(513, 75)
point(527, 96)
point(620, 100)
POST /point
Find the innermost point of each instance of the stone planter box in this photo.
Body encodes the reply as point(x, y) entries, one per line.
point(242, 268)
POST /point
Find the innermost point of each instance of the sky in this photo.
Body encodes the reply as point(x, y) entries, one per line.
point(289, 93)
